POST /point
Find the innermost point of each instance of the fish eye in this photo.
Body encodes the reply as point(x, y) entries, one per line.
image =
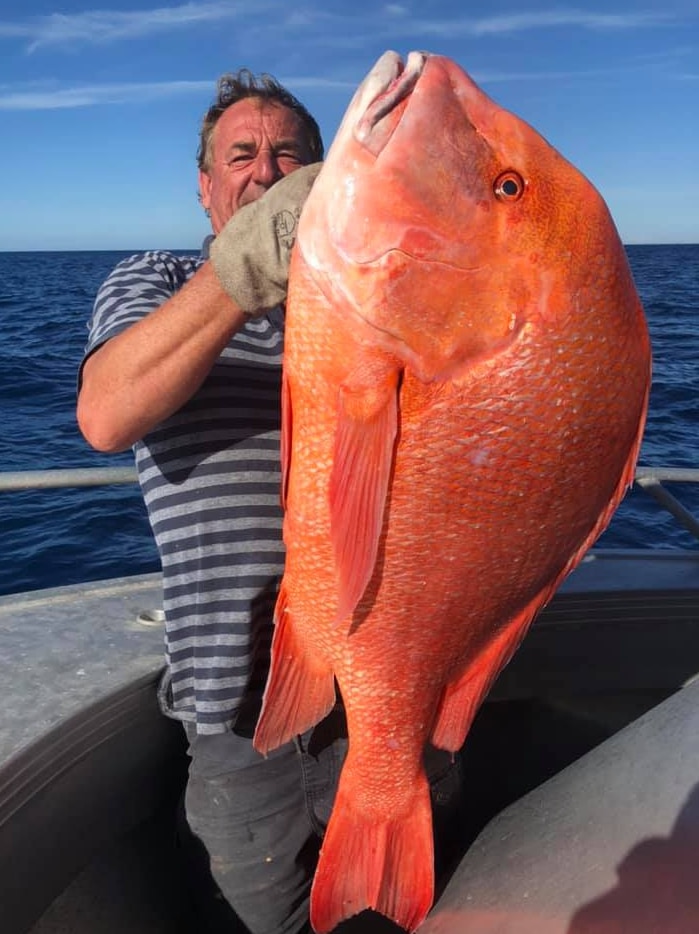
point(509, 186)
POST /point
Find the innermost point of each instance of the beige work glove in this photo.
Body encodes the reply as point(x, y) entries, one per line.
point(251, 254)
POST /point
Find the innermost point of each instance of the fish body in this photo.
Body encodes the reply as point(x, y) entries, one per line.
point(466, 379)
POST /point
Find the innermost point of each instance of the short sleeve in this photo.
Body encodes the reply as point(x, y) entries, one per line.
point(134, 288)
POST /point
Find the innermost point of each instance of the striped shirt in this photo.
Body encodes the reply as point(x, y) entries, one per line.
point(210, 479)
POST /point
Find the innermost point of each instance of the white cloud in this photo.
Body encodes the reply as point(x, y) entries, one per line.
point(524, 22)
point(394, 19)
point(50, 97)
point(90, 95)
point(99, 26)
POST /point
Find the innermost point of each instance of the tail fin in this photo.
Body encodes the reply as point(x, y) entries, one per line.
point(365, 862)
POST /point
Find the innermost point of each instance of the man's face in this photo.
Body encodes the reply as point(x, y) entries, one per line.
point(255, 143)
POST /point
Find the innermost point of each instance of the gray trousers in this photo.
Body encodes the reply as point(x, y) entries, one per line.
point(262, 820)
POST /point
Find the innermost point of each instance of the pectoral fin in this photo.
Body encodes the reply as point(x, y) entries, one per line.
point(365, 439)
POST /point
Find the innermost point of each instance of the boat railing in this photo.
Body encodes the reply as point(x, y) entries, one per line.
point(651, 480)
point(13, 481)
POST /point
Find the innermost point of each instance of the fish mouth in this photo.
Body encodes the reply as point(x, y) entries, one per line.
point(390, 82)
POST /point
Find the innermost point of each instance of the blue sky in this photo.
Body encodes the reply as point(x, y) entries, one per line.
point(100, 105)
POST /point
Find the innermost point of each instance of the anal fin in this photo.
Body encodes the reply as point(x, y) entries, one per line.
point(300, 689)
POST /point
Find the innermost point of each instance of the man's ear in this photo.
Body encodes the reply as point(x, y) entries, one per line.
point(204, 189)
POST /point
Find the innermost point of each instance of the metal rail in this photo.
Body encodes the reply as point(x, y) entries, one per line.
point(16, 480)
point(648, 479)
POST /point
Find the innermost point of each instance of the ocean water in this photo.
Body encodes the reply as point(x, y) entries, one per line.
point(48, 538)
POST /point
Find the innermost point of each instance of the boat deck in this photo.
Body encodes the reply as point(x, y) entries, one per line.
point(91, 773)
point(67, 647)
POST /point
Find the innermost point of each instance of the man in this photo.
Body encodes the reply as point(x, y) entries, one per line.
point(184, 363)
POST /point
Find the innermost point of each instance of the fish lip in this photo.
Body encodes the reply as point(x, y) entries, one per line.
point(397, 80)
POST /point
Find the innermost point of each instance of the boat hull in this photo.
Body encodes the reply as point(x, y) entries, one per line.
point(91, 773)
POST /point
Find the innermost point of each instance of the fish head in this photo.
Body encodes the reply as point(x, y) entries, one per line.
point(444, 223)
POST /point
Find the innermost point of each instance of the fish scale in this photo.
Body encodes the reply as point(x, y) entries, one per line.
point(460, 344)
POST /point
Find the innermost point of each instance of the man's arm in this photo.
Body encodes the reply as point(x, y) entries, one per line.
point(146, 373)
point(142, 376)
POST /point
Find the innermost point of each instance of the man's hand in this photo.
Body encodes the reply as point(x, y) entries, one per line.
point(251, 254)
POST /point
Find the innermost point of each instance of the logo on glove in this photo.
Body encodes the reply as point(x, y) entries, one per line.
point(285, 228)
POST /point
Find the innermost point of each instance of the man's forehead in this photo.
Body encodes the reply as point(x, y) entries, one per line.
point(251, 118)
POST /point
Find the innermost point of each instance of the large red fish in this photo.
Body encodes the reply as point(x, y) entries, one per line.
point(465, 386)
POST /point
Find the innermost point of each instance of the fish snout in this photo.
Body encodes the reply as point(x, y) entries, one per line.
point(388, 84)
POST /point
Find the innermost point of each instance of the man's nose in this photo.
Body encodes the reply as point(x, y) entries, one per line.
point(266, 169)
